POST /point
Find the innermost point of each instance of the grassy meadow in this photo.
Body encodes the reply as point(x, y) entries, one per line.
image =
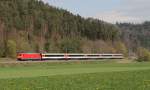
point(75, 76)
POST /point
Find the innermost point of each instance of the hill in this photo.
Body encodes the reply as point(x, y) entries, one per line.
point(33, 26)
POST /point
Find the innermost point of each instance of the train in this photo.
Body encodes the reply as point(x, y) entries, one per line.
point(65, 56)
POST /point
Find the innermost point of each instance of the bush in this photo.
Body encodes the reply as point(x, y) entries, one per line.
point(11, 49)
point(143, 54)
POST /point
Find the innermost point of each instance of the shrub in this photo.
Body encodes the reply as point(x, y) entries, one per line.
point(11, 49)
point(143, 54)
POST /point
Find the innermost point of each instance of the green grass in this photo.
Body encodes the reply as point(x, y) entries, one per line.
point(75, 76)
point(135, 80)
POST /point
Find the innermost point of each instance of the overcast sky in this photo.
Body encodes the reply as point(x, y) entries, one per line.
point(135, 11)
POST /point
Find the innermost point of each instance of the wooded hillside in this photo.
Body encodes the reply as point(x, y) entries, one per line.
point(33, 26)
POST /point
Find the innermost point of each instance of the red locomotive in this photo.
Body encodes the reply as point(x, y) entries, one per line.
point(29, 56)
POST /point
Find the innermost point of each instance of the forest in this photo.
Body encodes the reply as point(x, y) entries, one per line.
point(35, 26)
point(136, 35)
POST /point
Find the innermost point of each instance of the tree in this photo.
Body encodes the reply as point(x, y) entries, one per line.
point(70, 46)
point(2, 51)
point(47, 47)
point(121, 48)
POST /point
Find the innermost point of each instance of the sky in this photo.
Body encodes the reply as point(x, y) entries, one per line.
point(134, 11)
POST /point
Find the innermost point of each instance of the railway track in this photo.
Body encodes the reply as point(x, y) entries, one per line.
point(49, 61)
